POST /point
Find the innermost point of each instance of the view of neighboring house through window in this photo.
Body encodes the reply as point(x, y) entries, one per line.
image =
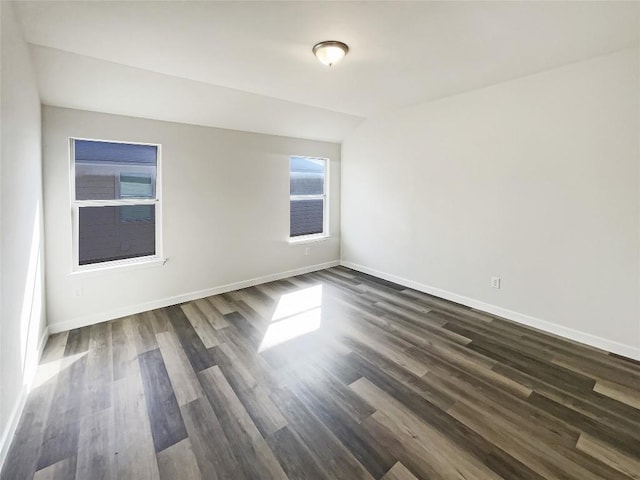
point(115, 202)
point(308, 198)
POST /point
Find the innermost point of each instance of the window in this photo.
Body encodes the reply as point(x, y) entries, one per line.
point(115, 203)
point(308, 198)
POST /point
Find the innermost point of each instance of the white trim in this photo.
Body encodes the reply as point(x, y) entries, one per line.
point(12, 426)
point(116, 203)
point(318, 237)
point(628, 351)
point(319, 196)
point(185, 297)
point(125, 264)
point(16, 413)
point(42, 342)
point(324, 196)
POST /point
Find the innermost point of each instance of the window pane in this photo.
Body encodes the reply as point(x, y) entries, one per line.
point(137, 213)
point(306, 217)
point(116, 232)
point(136, 185)
point(102, 166)
point(307, 176)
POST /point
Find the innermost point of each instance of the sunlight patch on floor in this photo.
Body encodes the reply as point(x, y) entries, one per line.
point(47, 371)
point(296, 314)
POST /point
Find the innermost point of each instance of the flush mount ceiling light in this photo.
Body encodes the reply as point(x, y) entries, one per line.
point(330, 51)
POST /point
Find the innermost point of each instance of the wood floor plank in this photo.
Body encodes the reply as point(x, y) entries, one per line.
point(399, 472)
point(141, 329)
point(220, 304)
point(418, 322)
point(273, 290)
point(24, 452)
point(423, 408)
point(251, 334)
point(393, 352)
point(479, 373)
point(96, 446)
point(548, 372)
point(445, 457)
point(193, 347)
point(607, 454)
point(211, 313)
point(407, 452)
point(254, 319)
point(294, 456)
point(262, 410)
point(213, 454)
point(123, 349)
point(247, 358)
point(200, 324)
point(135, 455)
point(62, 470)
point(547, 461)
point(167, 426)
point(259, 302)
point(178, 461)
point(98, 381)
point(54, 348)
point(431, 302)
point(61, 434)
point(371, 451)
point(238, 374)
point(436, 396)
point(513, 410)
point(329, 389)
point(160, 321)
point(77, 341)
point(392, 384)
point(630, 396)
point(508, 467)
point(333, 457)
point(184, 382)
point(626, 442)
point(588, 403)
point(253, 453)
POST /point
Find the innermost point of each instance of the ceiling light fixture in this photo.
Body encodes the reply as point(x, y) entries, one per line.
point(330, 51)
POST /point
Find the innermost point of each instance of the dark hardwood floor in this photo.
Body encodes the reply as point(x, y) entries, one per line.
point(333, 374)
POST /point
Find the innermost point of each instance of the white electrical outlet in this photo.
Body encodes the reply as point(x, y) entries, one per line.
point(307, 250)
point(78, 292)
point(495, 282)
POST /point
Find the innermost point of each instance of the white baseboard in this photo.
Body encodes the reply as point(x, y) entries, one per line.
point(628, 351)
point(14, 420)
point(44, 336)
point(16, 413)
point(186, 297)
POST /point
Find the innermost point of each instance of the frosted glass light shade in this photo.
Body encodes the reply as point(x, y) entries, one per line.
point(330, 52)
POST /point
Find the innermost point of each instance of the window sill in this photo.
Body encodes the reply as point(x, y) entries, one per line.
point(118, 266)
point(308, 239)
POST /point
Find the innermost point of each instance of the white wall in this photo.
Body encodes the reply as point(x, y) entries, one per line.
point(535, 180)
point(226, 215)
point(22, 321)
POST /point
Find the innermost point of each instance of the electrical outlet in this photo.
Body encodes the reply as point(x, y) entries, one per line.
point(495, 282)
point(78, 292)
point(307, 250)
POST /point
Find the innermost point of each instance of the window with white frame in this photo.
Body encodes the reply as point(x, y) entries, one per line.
point(115, 203)
point(308, 179)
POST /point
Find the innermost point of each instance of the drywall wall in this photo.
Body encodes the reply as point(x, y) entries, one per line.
point(22, 321)
point(534, 181)
point(225, 215)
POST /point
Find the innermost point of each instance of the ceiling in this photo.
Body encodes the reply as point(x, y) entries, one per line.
point(249, 66)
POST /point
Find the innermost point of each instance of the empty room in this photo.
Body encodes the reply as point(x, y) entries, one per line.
point(389, 240)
